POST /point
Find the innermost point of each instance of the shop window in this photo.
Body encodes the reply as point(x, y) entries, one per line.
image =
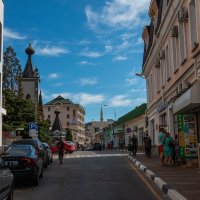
point(163, 120)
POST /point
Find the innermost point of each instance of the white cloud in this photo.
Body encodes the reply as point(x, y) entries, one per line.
point(88, 81)
point(131, 81)
point(10, 34)
point(139, 41)
point(120, 100)
point(53, 76)
point(108, 48)
point(119, 58)
point(84, 98)
point(84, 62)
point(48, 50)
point(92, 54)
point(138, 90)
point(84, 42)
point(118, 13)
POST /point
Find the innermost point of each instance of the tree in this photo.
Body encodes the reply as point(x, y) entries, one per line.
point(12, 72)
point(68, 134)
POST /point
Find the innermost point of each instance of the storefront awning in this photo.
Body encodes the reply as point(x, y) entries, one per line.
point(189, 101)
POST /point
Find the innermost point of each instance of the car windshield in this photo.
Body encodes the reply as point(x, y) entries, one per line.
point(19, 151)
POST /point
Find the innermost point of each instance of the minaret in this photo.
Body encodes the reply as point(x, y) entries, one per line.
point(40, 104)
point(101, 115)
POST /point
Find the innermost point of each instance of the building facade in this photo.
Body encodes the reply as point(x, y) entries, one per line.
point(71, 116)
point(2, 110)
point(171, 67)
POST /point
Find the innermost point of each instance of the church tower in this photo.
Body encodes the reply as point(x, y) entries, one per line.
point(101, 115)
point(30, 77)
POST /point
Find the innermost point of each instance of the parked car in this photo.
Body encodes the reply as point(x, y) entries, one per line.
point(38, 146)
point(6, 182)
point(24, 162)
point(68, 148)
point(72, 143)
point(49, 152)
point(97, 147)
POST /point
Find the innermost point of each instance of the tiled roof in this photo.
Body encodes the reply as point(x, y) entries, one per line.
point(59, 99)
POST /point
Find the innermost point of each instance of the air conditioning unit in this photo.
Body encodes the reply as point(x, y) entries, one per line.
point(162, 55)
point(183, 15)
point(174, 31)
point(157, 63)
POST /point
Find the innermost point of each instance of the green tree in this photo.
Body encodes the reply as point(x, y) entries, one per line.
point(68, 134)
point(12, 72)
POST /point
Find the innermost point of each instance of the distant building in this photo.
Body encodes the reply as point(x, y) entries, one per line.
point(71, 116)
point(2, 110)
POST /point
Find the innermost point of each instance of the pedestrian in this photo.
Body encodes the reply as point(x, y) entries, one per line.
point(60, 146)
point(176, 150)
point(168, 150)
point(146, 144)
point(149, 147)
point(161, 137)
point(134, 144)
point(112, 144)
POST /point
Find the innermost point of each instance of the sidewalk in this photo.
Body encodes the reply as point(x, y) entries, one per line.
point(186, 181)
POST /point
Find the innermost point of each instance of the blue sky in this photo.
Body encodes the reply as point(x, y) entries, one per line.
point(86, 50)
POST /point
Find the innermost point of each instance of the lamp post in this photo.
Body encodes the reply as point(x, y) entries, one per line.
point(140, 75)
point(113, 110)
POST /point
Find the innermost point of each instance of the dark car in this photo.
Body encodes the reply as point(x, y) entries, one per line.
point(97, 147)
point(37, 145)
point(6, 182)
point(24, 162)
point(49, 152)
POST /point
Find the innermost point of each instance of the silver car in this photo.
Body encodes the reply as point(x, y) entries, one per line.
point(6, 182)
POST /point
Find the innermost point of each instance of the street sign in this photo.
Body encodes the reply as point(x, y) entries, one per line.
point(33, 129)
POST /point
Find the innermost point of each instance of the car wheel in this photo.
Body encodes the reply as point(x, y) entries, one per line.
point(10, 196)
point(36, 179)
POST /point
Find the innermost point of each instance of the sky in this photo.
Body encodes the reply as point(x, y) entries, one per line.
point(86, 50)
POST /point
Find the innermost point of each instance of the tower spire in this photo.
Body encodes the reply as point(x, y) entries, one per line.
point(101, 115)
point(28, 71)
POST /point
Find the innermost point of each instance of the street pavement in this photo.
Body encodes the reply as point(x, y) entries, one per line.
point(91, 176)
point(186, 181)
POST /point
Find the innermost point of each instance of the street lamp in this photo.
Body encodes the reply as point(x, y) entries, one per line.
point(113, 110)
point(140, 75)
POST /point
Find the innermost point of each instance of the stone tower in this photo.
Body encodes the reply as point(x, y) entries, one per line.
point(30, 77)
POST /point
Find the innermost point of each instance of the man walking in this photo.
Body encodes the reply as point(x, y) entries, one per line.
point(134, 144)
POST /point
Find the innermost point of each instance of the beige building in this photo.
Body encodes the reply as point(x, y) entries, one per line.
point(2, 110)
point(71, 116)
point(171, 67)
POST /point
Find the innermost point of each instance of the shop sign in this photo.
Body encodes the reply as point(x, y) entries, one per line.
point(187, 135)
point(161, 106)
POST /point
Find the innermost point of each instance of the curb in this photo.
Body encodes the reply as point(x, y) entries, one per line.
point(173, 194)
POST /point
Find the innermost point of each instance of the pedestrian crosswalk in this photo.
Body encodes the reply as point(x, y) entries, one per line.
point(91, 156)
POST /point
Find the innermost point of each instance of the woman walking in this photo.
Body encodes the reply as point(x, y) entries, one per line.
point(168, 150)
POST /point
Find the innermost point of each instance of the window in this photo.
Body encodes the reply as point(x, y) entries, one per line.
point(74, 113)
point(174, 53)
point(182, 42)
point(49, 109)
point(49, 117)
point(1, 36)
point(28, 96)
point(168, 67)
point(158, 79)
point(161, 73)
point(67, 123)
point(68, 116)
point(193, 25)
point(67, 108)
